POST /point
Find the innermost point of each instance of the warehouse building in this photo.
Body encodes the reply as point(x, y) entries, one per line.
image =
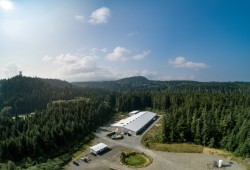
point(133, 112)
point(96, 149)
point(135, 123)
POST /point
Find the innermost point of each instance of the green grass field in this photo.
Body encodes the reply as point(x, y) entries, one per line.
point(182, 147)
point(153, 139)
point(135, 160)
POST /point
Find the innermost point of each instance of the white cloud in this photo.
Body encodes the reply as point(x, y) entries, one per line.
point(6, 5)
point(109, 73)
point(100, 16)
point(66, 59)
point(10, 70)
point(88, 65)
point(85, 68)
point(182, 63)
point(122, 54)
point(74, 67)
point(80, 18)
point(141, 56)
point(47, 58)
point(104, 50)
point(69, 64)
point(97, 51)
point(119, 53)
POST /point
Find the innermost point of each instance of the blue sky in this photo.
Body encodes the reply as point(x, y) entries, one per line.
point(88, 40)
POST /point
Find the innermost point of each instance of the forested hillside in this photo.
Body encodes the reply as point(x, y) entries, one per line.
point(20, 94)
point(211, 114)
point(141, 84)
point(216, 120)
point(214, 114)
point(43, 134)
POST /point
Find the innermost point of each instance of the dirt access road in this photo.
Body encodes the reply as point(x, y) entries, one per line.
point(161, 160)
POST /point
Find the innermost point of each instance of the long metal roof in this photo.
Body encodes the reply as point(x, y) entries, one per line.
point(134, 112)
point(135, 122)
point(98, 147)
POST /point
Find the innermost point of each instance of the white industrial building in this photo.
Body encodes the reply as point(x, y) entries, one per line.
point(133, 112)
point(135, 123)
point(98, 148)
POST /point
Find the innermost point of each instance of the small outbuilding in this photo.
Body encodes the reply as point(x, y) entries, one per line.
point(100, 147)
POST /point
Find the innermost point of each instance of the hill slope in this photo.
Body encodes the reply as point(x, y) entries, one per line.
point(22, 94)
point(143, 84)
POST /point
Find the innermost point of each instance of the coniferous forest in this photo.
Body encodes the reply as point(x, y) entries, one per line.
point(212, 114)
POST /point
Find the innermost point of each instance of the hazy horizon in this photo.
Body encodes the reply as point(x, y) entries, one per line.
point(98, 40)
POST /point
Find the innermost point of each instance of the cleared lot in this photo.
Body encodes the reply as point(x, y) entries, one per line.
point(161, 160)
point(107, 159)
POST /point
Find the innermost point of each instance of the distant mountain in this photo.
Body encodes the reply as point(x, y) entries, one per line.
point(125, 83)
point(140, 83)
point(22, 94)
point(136, 79)
point(57, 83)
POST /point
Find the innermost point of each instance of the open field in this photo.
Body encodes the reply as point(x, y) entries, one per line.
point(181, 148)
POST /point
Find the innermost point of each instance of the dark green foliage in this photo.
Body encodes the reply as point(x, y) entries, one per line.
point(126, 102)
point(214, 120)
point(44, 133)
point(212, 114)
point(11, 165)
point(20, 95)
point(141, 84)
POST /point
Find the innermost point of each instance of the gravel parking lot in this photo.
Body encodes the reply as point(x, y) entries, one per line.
point(161, 160)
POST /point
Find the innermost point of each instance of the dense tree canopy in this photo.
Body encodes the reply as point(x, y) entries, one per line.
point(20, 95)
point(220, 120)
point(44, 132)
point(212, 114)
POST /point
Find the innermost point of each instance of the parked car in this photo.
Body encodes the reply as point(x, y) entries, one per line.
point(85, 159)
point(76, 163)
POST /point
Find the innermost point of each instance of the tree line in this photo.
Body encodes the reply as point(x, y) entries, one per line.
point(219, 120)
point(21, 95)
point(211, 114)
point(45, 132)
point(142, 84)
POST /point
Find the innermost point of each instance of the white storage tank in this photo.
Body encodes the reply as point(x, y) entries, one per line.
point(220, 163)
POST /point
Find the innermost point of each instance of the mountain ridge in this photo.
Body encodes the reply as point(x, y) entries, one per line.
point(140, 83)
